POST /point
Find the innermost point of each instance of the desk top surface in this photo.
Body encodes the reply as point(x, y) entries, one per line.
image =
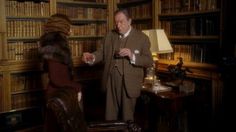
point(170, 94)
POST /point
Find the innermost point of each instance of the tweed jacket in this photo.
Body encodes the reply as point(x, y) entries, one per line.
point(139, 45)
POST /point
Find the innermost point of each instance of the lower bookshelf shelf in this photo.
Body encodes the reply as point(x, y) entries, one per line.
point(21, 120)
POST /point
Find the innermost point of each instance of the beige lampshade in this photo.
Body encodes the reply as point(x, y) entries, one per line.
point(159, 41)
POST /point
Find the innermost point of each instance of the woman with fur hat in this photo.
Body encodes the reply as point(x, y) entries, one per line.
point(57, 60)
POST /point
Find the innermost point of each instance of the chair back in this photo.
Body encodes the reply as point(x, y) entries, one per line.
point(65, 106)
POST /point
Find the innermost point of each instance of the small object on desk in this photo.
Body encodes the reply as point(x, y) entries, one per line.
point(174, 85)
point(156, 87)
point(187, 87)
point(171, 84)
point(161, 88)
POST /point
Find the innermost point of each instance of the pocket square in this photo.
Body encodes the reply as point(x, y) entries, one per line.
point(136, 51)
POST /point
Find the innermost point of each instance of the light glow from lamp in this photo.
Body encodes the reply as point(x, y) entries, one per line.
point(159, 41)
point(159, 45)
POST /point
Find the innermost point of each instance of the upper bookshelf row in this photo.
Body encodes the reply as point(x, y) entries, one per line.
point(95, 1)
point(27, 8)
point(182, 20)
point(82, 13)
point(138, 9)
point(141, 12)
point(23, 20)
point(16, 9)
point(170, 6)
point(176, 6)
point(192, 26)
point(24, 29)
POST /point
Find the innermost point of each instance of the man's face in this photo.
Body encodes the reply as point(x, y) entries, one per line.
point(122, 23)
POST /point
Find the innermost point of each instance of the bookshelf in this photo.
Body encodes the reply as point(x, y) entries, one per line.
point(24, 21)
point(91, 21)
point(90, 24)
point(22, 80)
point(194, 30)
point(193, 27)
point(21, 27)
point(141, 12)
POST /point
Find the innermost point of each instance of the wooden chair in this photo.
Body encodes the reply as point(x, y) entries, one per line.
point(65, 108)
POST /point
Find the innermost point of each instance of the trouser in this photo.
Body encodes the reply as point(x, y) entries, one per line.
point(118, 105)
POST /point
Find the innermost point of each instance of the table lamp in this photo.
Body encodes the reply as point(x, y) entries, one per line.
point(159, 45)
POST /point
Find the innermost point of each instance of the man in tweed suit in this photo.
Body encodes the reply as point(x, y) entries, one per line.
point(126, 52)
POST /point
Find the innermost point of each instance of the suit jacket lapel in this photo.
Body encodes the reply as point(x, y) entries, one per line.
point(115, 44)
point(131, 40)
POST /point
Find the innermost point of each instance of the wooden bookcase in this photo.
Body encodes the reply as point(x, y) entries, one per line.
point(194, 29)
point(90, 24)
point(21, 27)
point(22, 80)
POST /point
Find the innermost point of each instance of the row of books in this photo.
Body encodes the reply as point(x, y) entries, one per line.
point(42, 9)
point(207, 25)
point(189, 53)
point(141, 26)
point(26, 81)
point(80, 46)
point(24, 28)
point(27, 100)
point(141, 11)
point(77, 12)
point(27, 8)
point(96, 1)
point(33, 28)
point(89, 30)
point(124, 1)
point(22, 50)
point(176, 6)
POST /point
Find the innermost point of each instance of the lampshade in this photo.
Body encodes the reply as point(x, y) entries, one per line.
point(159, 41)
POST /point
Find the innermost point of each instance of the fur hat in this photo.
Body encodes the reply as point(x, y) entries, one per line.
point(58, 23)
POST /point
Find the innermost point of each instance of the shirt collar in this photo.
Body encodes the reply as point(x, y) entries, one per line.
point(127, 33)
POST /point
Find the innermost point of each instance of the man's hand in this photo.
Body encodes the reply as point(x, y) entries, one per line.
point(126, 52)
point(88, 57)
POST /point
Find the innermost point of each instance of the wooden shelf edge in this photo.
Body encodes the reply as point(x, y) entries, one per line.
point(20, 65)
point(195, 65)
point(199, 70)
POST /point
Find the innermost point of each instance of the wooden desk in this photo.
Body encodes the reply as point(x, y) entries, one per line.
point(166, 110)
